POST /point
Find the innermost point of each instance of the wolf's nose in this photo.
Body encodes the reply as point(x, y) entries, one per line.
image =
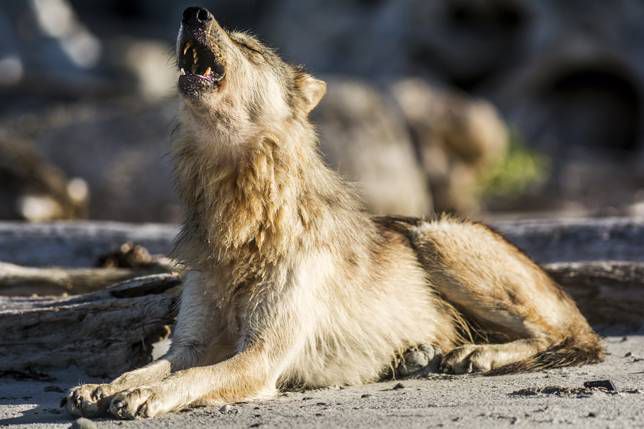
point(196, 16)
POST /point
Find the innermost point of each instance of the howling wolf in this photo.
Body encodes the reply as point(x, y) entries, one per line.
point(290, 282)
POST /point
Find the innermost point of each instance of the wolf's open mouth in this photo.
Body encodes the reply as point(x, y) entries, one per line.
point(197, 62)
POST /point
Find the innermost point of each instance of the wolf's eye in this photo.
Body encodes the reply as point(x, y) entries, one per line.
point(253, 53)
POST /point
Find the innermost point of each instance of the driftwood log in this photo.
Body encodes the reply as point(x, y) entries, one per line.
point(16, 280)
point(104, 332)
point(128, 261)
point(111, 330)
point(77, 244)
point(80, 244)
point(609, 293)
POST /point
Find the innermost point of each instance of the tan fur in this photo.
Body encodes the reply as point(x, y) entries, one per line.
point(291, 283)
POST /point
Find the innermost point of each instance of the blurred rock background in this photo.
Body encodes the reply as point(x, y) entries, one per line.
point(484, 108)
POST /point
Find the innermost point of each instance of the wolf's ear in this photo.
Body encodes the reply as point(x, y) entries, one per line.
point(312, 90)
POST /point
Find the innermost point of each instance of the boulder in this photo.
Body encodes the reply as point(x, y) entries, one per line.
point(34, 189)
point(456, 137)
point(119, 148)
point(363, 136)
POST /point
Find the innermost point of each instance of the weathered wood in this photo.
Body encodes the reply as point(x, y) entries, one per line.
point(80, 244)
point(570, 240)
point(104, 332)
point(110, 331)
point(16, 280)
point(609, 293)
point(77, 244)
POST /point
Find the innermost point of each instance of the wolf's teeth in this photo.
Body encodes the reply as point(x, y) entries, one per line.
point(207, 72)
point(186, 47)
point(182, 71)
point(194, 69)
point(194, 57)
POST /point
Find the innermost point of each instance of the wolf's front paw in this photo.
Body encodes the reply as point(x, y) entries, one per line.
point(87, 400)
point(139, 402)
point(468, 359)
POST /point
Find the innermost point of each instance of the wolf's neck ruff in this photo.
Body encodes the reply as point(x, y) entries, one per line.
point(254, 209)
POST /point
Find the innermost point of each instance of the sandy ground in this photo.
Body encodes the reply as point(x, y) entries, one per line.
point(552, 398)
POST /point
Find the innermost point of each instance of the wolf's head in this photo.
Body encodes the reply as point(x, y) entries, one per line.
point(234, 85)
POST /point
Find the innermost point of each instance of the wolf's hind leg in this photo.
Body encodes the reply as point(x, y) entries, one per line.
point(486, 357)
point(506, 296)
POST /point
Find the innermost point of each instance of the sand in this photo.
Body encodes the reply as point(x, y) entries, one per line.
point(552, 398)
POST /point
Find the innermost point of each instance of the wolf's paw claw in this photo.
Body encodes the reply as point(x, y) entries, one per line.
point(466, 359)
point(140, 402)
point(84, 400)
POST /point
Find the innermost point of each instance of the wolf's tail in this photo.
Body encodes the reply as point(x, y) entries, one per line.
point(572, 351)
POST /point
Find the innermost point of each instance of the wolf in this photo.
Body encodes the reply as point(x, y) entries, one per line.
point(292, 283)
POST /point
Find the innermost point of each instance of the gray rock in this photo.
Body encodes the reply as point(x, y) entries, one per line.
point(568, 76)
point(228, 409)
point(363, 136)
point(83, 423)
point(119, 148)
point(52, 51)
point(143, 65)
point(338, 36)
point(34, 189)
point(456, 137)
